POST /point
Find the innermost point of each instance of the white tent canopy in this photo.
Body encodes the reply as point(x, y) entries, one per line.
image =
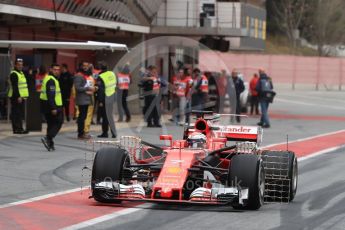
point(89, 45)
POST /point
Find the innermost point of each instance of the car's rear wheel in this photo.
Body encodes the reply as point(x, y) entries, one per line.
point(282, 166)
point(246, 171)
point(107, 166)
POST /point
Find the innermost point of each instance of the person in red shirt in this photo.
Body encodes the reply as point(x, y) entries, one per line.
point(123, 82)
point(189, 80)
point(177, 94)
point(42, 72)
point(254, 100)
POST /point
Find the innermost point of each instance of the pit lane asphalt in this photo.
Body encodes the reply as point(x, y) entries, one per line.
point(319, 204)
point(28, 170)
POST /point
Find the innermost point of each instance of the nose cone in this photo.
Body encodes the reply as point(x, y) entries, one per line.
point(166, 193)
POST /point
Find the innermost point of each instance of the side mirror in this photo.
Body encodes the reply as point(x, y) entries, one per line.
point(166, 138)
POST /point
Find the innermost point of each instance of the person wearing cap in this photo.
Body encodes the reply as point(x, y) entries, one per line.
point(52, 106)
point(106, 83)
point(18, 93)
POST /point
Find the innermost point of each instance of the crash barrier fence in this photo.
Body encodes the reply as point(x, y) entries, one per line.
point(318, 72)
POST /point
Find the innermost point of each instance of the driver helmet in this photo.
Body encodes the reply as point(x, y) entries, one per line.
point(196, 140)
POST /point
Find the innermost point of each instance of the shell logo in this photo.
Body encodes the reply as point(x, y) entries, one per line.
point(174, 170)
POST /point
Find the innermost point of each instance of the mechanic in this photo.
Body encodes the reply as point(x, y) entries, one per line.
point(83, 98)
point(106, 83)
point(199, 91)
point(42, 72)
point(263, 86)
point(188, 78)
point(239, 88)
point(51, 105)
point(254, 96)
point(151, 84)
point(66, 83)
point(196, 140)
point(177, 97)
point(18, 93)
point(123, 81)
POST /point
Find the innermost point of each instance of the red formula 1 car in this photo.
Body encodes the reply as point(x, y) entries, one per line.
point(202, 168)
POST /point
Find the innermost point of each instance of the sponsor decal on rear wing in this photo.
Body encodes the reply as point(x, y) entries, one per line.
point(240, 133)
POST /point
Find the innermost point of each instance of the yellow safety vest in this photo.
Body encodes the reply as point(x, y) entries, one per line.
point(109, 80)
point(22, 85)
point(44, 96)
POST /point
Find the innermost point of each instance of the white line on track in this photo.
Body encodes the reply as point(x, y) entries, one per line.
point(311, 104)
point(107, 217)
point(42, 197)
point(305, 139)
point(315, 97)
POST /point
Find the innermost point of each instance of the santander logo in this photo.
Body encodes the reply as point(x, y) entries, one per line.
point(240, 129)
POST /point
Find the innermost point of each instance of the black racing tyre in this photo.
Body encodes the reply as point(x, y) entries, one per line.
point(107, 166)
point(246, 171)
point(274, 162)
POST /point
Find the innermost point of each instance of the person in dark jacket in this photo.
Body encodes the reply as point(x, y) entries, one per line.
point(199, 90)
point(239, 88)
point(51, 105)
point(66, 83)
point(83, 97)
point(151, 84)
point(18, 93)
point(264, 86)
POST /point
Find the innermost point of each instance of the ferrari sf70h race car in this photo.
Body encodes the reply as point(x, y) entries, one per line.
point(202, 168)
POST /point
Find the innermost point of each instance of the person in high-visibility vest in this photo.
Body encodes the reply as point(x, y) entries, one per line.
point(51, 105)
point(200, 90)
point(106, 83)
point(123, 81)
point(18, 93)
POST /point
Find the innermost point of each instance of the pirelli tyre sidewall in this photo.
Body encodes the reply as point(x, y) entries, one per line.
point(246, 171)
point(107, 166)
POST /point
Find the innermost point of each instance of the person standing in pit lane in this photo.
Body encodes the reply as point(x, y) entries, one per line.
point(264, 88)
point(239, 88)
point(83, 98)
point(106, 83)
point(52, 106)
point(66, 83)
point(123, 82)
point(199, 90)
point(254, 96)
point(18, 93)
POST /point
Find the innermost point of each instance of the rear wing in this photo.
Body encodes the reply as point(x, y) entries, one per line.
point(240, 133)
